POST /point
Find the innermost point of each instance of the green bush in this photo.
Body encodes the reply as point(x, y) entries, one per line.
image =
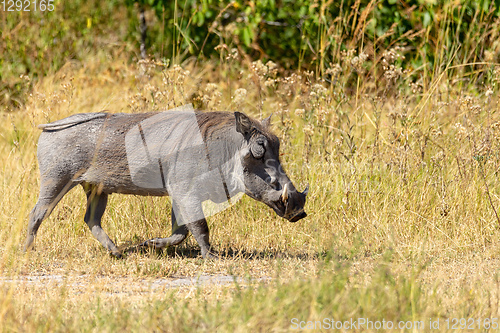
point(312, 34)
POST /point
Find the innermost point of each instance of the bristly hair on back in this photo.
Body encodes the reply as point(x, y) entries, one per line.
point(210, 122)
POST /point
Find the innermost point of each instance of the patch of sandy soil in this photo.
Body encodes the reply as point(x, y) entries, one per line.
point(123, 286)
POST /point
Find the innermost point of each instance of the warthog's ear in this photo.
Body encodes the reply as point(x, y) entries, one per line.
point(243, 123)
point(267, 122)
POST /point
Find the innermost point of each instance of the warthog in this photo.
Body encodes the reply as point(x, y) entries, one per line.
point(190, 155)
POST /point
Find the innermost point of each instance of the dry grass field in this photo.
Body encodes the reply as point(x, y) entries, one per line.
point(403, 206)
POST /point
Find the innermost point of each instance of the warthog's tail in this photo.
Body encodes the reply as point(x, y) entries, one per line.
point(71, 121)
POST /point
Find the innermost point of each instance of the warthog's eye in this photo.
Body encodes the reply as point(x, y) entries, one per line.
point(258, 148)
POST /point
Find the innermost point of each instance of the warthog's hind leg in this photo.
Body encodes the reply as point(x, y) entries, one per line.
point(96, 205)
point(50, 194)
point(179, 234)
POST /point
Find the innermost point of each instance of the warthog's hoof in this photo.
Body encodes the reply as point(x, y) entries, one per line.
point(117, 255)
point(157, 243)
point(210, 256)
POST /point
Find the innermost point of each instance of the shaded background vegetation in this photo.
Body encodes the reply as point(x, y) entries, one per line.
point(304, 34)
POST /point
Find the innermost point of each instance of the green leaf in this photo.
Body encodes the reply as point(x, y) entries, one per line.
point(427, 19)
point(246, 36)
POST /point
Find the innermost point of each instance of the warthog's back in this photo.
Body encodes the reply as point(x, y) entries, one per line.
point(71, 121)
point(104, 149)
point(88, 147)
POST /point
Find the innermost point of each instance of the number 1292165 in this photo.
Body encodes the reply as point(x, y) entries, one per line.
point(27, 5)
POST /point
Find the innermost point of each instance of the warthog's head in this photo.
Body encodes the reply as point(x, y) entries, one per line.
point(263, 175)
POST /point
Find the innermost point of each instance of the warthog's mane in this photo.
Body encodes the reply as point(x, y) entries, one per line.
point(211, 123)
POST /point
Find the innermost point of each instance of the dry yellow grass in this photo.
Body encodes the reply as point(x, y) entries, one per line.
point(399, 207)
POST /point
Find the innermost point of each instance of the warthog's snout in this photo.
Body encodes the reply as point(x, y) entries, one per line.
point(290, 204)
point(299, 216)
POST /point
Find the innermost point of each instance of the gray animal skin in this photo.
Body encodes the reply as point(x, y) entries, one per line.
point(191, 156)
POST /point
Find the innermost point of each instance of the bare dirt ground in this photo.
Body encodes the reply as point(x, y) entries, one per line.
point(443, 276)
point(124, 286)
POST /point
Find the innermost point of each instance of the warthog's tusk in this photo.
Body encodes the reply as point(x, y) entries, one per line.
point(284, 195)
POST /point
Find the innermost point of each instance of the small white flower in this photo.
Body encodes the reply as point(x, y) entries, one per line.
point(299, 112)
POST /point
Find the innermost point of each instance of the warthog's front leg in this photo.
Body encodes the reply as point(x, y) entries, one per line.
point(96, 205)
point(199, 229)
